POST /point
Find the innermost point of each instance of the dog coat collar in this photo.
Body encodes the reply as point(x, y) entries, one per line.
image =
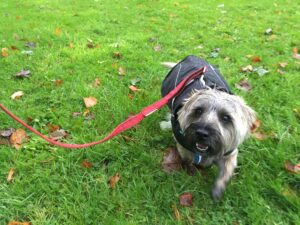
point(210, 79)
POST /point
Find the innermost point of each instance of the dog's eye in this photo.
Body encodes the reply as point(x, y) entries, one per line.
point(198, 112)
point(226, 118)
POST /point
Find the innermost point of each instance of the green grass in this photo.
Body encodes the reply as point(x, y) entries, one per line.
point(51, 187)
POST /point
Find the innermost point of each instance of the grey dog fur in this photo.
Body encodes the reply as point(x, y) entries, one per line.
point(225, 138)
point(214, 104)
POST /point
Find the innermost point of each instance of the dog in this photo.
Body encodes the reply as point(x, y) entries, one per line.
point(208, 121)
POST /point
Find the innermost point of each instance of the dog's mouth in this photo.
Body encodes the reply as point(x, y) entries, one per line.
point(201, 147)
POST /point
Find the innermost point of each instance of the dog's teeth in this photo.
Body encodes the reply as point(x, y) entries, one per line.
point(201, 147)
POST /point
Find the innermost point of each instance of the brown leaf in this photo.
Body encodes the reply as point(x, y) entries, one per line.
point(176, 212)
point(186, 199)
point(57, 31)
point(171, 160)
point(96, 82)
point(86, 164)
point(248, 68)
point(10, 175)
point(90, 101)
point(58, 134)
point(17, 95)
point(75, 114)
point(122, 71)
point(243, 85)
point(52, 127)
point(117, 55)
point(255, 126)
point(114, 180)
point(58, 82)
point(256, 59)
point(127, 138)
point(7, 133)
point(130, 96)
point(157, 48)
point(296, 55)
point(14, 48)
point(19, 223)
point(291, 168)
point(134, 88)
point(4, 52)
point(18, 138)
point(282, 64)
point(90, 44)
point(281, 72)
point(260, 136)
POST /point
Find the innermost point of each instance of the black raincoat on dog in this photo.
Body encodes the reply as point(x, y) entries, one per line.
point(211, 79)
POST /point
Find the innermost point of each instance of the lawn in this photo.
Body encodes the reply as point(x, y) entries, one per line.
point(67, 45)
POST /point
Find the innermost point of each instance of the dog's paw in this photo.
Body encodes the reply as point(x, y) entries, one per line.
point(217, 193)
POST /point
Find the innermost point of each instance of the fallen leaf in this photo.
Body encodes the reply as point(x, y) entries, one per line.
point(90, 101)
point(86, 112)
point(57, 31)
point(281, 72)
point(256, 59)
point(292, 168)
point(255, 126)
point(4, 52)
point(117, 55)
point(71, 45)
point(186, 199)
point(58, 82)
point(268, 31)
point(261, 71)
point(282, 64)
point(75, 114)
point(90, 44)
point(17, 138)
point(58, 134)
point(14, 48)
point(19, 223)
point(243, 85)
point(30, 44)
point(130, 96)
point(171, 160)
point(18, 17)
point(135, 81)
point(157, 48)
point(52, 127)
point(248, 68)
point(296, 55)
point(7, 133)
point(89, 116)
point(23, 73)
point(127, 138)
point(10, 175)
point(114, 180)
point(96, 82)
point(134, 88)
point(260, 136)
point(17, 95)
point(176, 212)
point(86, 164)
point(122, 71)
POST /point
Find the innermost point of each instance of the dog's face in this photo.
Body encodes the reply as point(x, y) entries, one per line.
point(214, 122)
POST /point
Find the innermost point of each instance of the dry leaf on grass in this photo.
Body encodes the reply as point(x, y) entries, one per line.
point(114, 180)
point(10, 175)
point(243, 85)
point(256, 59)
point(134, 88)
point(117, 55)
point(17, 95)
point(17, 138)
point(248, 68)
point(176, 212)
point(58, 82)
point(7, 133)
point(260, 136)
point(52, 127)
point(255, 126)
point(23, 74)
point(186, 199)
point(4, 52)
point(296, 55)
point(292, 168)
point(282, 64)
point(157, 48)
point(58, 134)
point(57, 31)
point(96, 82)
point(90, 101)
point(19, 223)
point(171, 160)
point(86, 164)
point(122, 71)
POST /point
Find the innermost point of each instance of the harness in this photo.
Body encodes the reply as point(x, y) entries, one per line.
point(211, 79)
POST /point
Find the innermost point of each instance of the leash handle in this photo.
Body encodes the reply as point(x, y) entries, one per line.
point(125, 125)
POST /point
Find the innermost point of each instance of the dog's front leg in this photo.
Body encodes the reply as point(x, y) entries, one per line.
point(226, 168)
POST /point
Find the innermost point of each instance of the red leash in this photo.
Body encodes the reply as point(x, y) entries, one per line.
point(130, 122)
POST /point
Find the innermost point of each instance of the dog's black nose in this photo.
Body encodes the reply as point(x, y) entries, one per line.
point(202, 133)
